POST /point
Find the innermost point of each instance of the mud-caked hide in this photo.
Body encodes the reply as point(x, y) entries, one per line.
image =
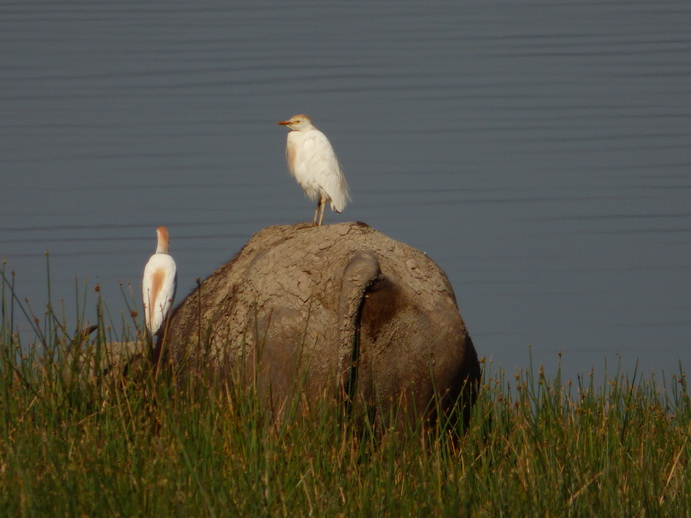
point(339, 310)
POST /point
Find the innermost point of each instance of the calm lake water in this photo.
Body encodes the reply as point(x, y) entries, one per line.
point(540, 152)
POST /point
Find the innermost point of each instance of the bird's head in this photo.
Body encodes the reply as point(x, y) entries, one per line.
point(162, 233)
point(298, 123)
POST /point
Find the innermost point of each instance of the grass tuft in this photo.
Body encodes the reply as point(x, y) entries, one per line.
point(77, 437)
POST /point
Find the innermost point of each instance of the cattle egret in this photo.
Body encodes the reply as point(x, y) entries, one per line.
point(314, 165)
point(159, 285)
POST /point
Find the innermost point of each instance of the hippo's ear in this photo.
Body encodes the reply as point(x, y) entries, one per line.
point(361, 275)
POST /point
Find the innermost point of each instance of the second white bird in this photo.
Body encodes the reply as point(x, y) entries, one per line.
point(313, 163)
point(159, 284)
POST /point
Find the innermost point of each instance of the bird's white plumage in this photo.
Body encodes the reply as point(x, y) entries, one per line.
point(313, 163)
point(159, 284)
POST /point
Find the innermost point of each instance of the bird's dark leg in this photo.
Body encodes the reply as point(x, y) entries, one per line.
point(316, 211)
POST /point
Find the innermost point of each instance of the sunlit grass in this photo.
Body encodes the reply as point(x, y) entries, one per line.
point(77, 437)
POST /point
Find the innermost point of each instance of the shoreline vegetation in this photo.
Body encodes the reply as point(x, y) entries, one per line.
point(82, 435)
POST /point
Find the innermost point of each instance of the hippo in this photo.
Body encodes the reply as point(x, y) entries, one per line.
point(339, 311)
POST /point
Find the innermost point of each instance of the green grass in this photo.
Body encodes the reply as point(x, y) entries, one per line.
point(75, 441)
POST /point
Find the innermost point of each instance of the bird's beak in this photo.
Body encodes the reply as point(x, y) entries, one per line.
point(283, 123)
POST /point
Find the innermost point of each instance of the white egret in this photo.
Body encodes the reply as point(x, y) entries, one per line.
point(159, 285)
point(313, 163)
